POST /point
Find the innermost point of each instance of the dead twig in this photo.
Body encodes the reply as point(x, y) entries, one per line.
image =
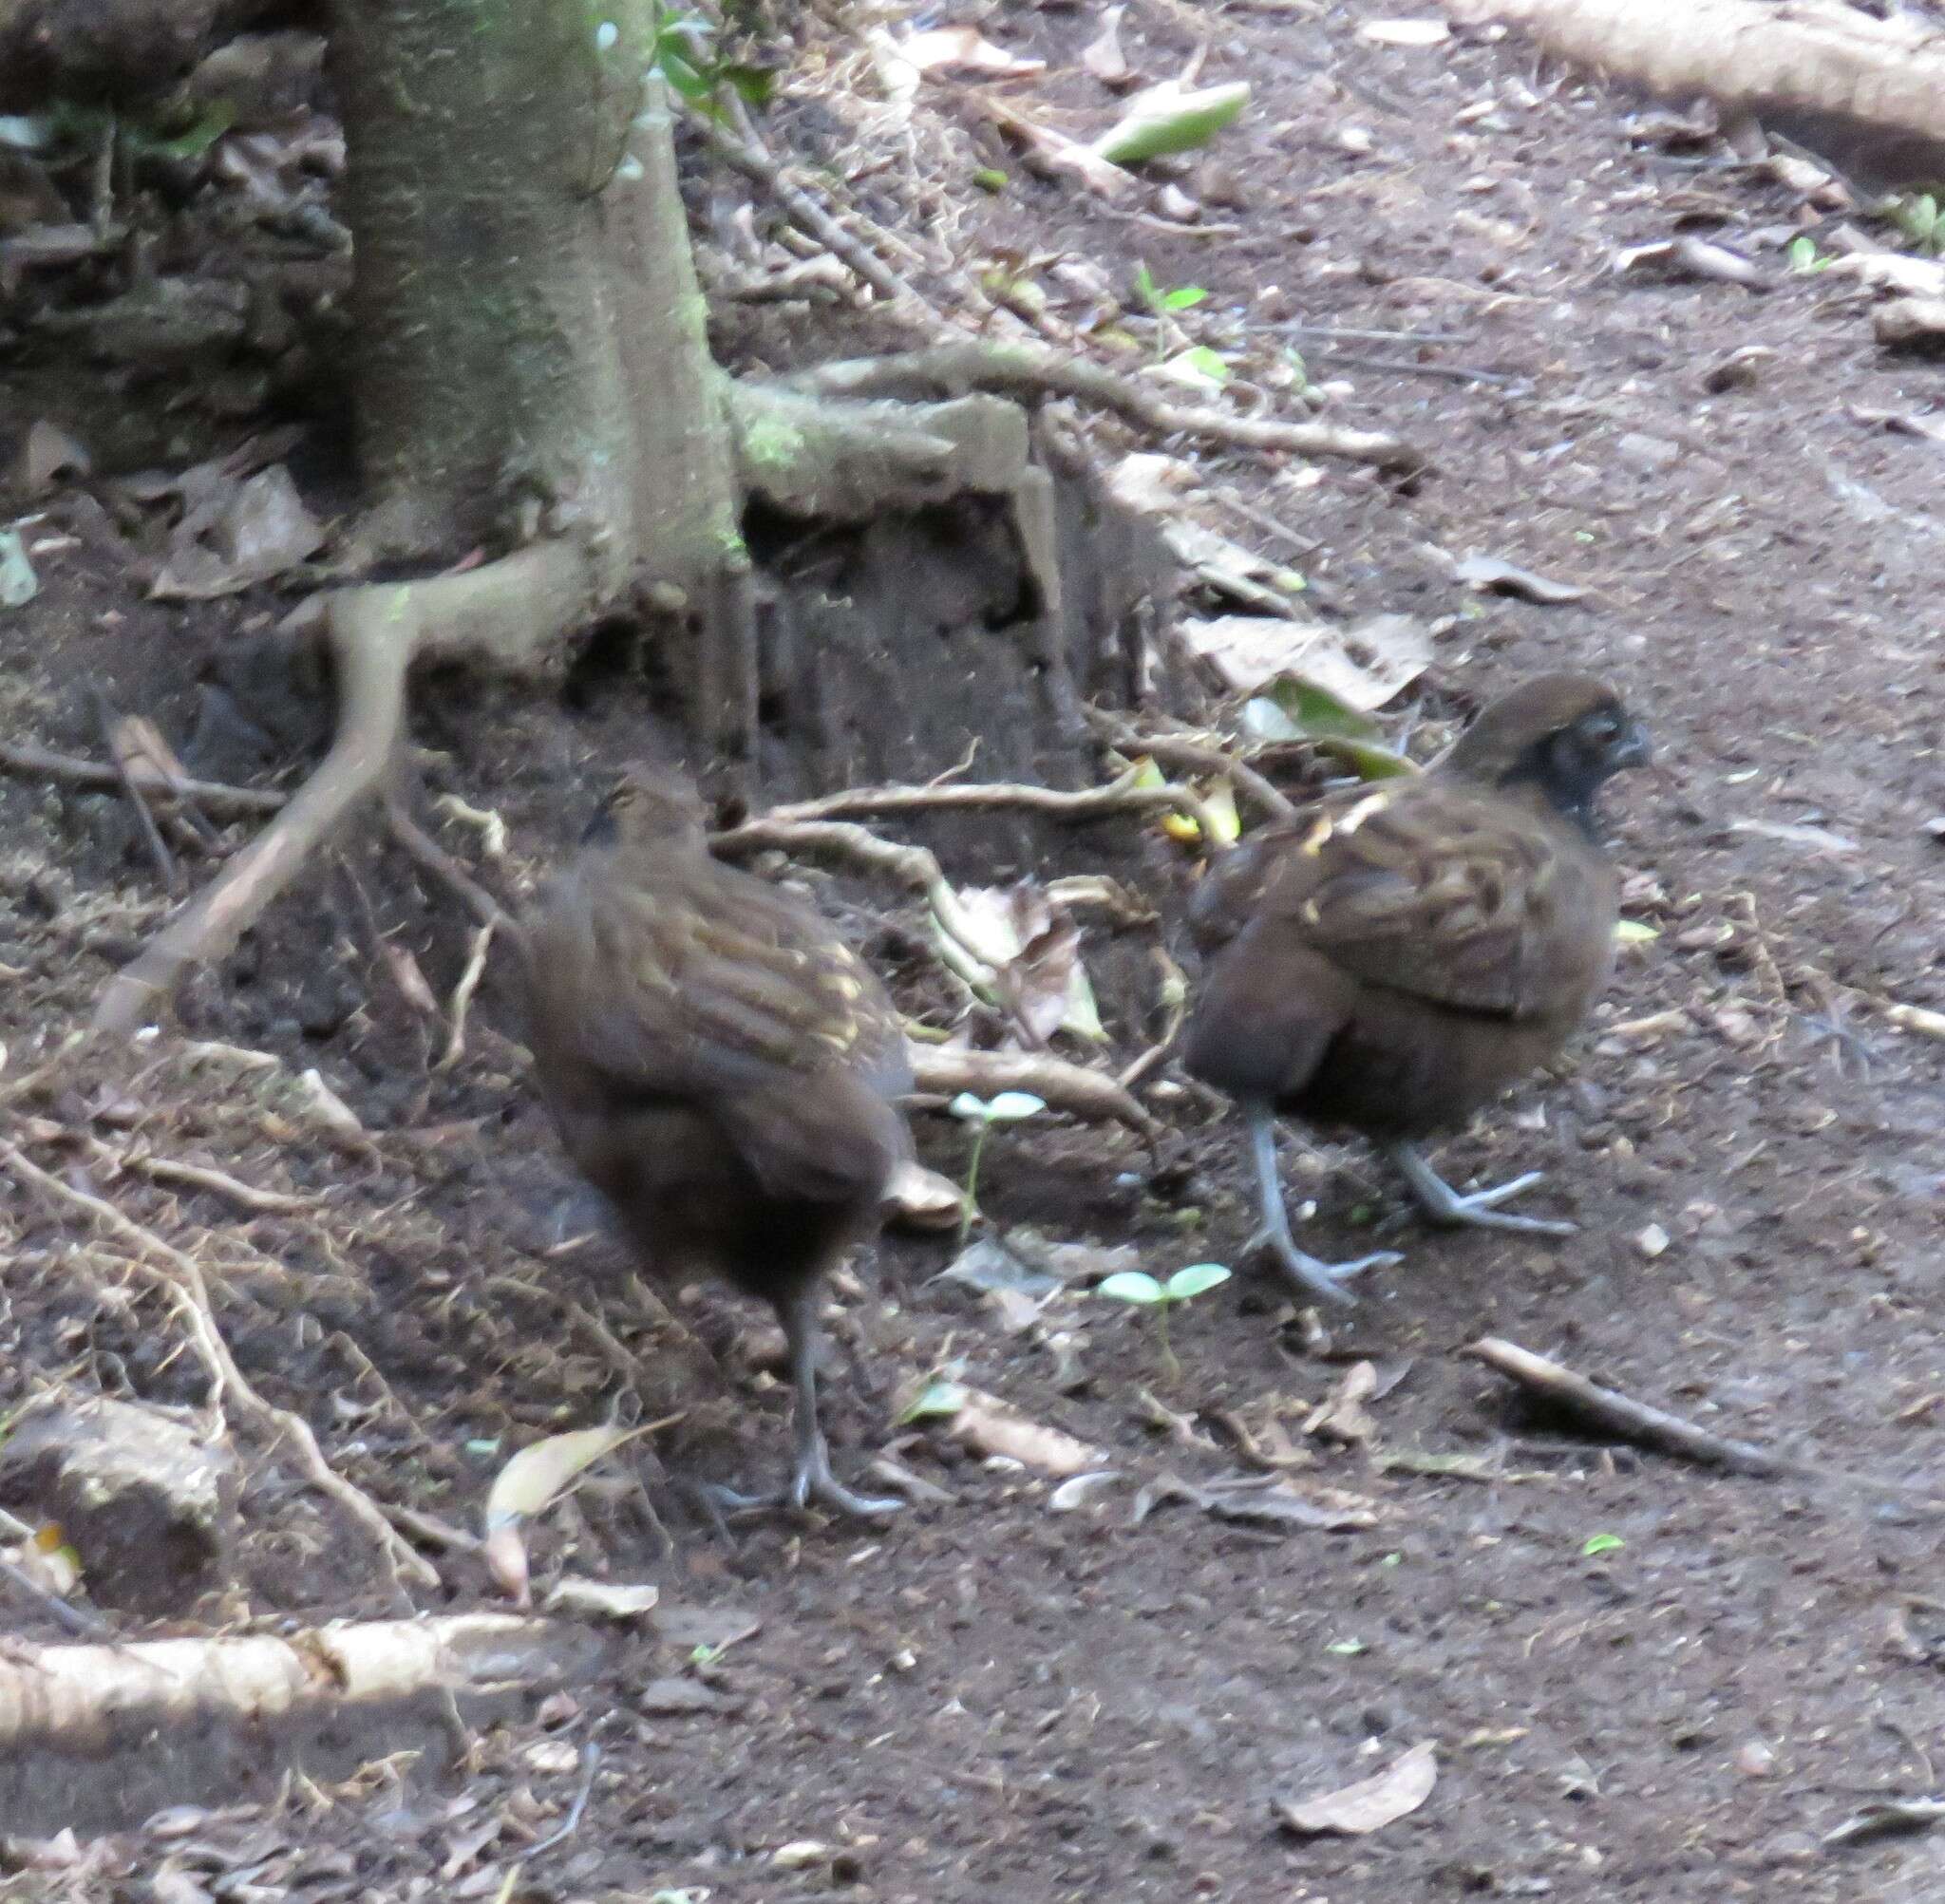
point(145, 817)
point(181, 1276)
point(207, 1177)
point(73, 771)
point(1634, 1422)
point(462, 997)
point(64, 1614)
point(1067, 1088)
point(743, 148)
point(1118, 795)
point(1015, 368)
point(1644, 1426)
point(420, 845)
point(1195, 757)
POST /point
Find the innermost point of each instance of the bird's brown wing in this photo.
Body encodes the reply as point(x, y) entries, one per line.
point(1429, 890)
point(692, 984)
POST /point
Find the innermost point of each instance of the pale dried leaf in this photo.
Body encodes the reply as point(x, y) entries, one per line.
point(48, 457)
point(318, 1100)
point(990, 1427)
point(965, 50)
point(1371, 1804)
point(1102, 56)
point(1363, 665)
point(1151, 484)
point(922, 1200)
point(601, 1599)
point(241, 534)
point(1491, 574)
point(1343, 1417)
point(1405, 32)
point(541, 1473)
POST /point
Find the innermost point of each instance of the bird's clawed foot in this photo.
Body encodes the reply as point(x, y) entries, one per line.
point(1314, 1278)
point(811, 1480)
point(1478, 1209)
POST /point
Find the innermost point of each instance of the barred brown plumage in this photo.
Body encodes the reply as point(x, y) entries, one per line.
point(721, 1065)
point(1399, 954)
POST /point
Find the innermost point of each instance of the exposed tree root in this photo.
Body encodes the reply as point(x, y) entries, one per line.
point(1887, 74)
point(95, 1699)
point(42, 764)
point(506, 614)
point(1031, 370)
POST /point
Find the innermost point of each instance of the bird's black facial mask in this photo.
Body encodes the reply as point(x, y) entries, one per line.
point(1571, 766)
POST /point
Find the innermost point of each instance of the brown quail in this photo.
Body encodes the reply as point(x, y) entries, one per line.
point(1402, 953)
point(722, 1066)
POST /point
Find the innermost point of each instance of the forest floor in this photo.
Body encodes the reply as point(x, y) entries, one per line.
point(1642, 1680)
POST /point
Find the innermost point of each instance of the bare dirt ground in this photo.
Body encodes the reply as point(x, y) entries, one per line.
point(991, 1699)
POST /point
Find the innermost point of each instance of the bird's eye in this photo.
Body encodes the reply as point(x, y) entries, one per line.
point(1601, 728)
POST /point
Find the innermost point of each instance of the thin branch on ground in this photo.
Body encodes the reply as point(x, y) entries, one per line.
point(421, 846)
point(743, 148)
point(145, 816)
point(207, 1177)
point(1027, 369)
point(40, 762)
point(940, 1071)
point(462, 997)
point(1175, 989)
point(1197, 757)
point(182, 1277)
point(1118, 795)
point(68, 1617)
point(1645, 1426)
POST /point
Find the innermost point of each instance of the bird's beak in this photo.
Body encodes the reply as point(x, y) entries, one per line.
point(1632, 748)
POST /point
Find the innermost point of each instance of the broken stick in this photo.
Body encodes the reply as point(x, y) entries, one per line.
point(1632, 1421)
point(1651, 1427)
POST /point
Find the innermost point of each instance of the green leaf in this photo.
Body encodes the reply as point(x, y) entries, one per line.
point(1366, 760)
point(1010, 1106)
point(1195, 1280)
point(1183, 298)
point(1131, 1286)
point(934, 1399)
point(1633, 932)
point(1165, 120)
point(753, 86)
point(1315, 711)
point(209, 126)
point(975, 1109)
point(990, 179)
point(1346, 1648)
point(1602, 1544)
point(1205, 360)
point(1145, 287)
point(19, 585)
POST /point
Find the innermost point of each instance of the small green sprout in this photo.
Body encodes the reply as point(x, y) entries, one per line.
point(1144, 1292)
point(982, 1114)
point(1346, 1648)
point(1920, 216)
point(1803, 256)
point(1161, 303)
point(1602, 1544)
point(702, 1653)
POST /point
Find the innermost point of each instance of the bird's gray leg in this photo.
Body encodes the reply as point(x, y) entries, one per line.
point(810, 1477)
point(1443, 1205)
point(1318, 1279)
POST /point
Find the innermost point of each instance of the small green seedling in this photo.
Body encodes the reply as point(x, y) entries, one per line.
point(1161, 303)
point(1921, 217)
point(1143, 1292)
point(1803, 256)
point(982, 1114)
point(1602, 1544)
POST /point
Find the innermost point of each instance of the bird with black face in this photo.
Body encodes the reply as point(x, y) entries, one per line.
point(722, 1066)
point(1403, 952)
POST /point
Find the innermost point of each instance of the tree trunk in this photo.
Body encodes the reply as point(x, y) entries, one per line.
point(532, 349)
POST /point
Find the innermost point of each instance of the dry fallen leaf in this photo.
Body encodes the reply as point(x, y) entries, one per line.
point(1405, 32)
point(1490, 575)
point(1368, 1805)
point(964, 49)
point(1102, 56)
point(990, 1427)
point(923, 1199)
point(1343, 1417)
